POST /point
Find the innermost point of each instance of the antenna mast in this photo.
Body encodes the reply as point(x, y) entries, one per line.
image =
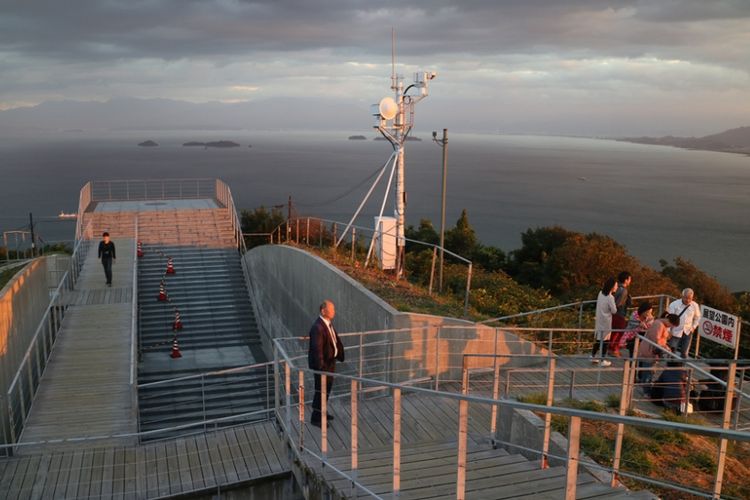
point(394, 119)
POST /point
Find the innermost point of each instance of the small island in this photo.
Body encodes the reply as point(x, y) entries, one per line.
point(213, 144)
point(357, 138)
point(148, 144)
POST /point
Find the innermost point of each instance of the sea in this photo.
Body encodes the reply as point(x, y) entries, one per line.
point(660, 202)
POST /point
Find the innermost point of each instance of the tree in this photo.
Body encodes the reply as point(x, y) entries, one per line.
point(707, 289)
point(260, 220)
point(574, 265)
point(425, 232)
point(461, 239)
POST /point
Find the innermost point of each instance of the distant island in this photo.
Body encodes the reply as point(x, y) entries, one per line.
point(147, 144)
point(357, 138)
point(736, 140)
point(213, 144)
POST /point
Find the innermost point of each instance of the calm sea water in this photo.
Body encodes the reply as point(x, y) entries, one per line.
point(660, 202)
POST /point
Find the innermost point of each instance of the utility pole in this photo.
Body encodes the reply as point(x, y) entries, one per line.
point(289, 209)
point(31, 226)
point(444, 143)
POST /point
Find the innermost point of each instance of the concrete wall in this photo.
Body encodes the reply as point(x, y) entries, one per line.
point(525, 429)
point(23, 301)
point(288, 284)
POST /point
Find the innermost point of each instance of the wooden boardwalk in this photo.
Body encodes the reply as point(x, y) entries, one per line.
point(85, 389)
point(429, 432)
point(199, 463)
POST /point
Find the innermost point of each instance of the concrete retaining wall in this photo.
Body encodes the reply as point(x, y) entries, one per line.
point(288, 284)
point(526, 430)
point(23, 301)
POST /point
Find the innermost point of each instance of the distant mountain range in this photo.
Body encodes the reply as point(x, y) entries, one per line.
point(168, 114)
point(736, 140)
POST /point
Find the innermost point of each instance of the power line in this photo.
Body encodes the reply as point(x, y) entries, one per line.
point(347, 192)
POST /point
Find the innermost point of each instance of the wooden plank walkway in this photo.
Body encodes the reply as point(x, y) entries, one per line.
point(429, 432)
point(85, 389)
point(198, 463)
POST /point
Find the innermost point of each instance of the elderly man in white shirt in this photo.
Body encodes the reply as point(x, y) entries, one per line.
point(689, 313)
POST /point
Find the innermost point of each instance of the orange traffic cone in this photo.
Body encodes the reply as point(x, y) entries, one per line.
point(162, 292)
point(170, 266)
point(175, 349)
point(139, 251)
point(177, 325)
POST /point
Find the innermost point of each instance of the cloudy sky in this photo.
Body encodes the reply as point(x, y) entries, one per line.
point(544, 66)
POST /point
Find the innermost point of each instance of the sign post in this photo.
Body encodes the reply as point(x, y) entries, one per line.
point(719, 327)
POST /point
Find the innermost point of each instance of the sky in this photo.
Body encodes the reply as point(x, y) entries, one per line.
point(579, 67)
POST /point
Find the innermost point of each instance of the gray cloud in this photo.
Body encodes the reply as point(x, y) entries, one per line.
point(548, 50)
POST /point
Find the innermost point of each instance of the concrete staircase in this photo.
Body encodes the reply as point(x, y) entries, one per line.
point(211, 228)
point(219, 332)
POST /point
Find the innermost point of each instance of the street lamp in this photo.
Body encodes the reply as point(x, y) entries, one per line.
point(444, 143)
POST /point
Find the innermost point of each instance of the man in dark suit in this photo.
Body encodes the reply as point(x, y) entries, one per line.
point(325, 349)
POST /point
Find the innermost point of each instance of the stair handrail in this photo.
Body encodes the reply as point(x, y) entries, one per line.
point(283, 364)
point(134, 333)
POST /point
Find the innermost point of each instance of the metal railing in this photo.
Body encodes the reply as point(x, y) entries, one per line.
point(227, 393)
point(134, 329)
point(306, 230)
point(404, 371)
point(151, 189)
point(22, 389)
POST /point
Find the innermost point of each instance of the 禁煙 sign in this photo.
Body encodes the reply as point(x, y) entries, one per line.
point(719, 326)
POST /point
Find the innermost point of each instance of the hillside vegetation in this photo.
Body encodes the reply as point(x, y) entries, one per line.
point(553, 266)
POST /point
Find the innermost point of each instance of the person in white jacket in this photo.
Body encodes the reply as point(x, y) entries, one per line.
point(689, 312)
point(605, 308)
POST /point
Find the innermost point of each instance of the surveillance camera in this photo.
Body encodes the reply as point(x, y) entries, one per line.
point(431, 75)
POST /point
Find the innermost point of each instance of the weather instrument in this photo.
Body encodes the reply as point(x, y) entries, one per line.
point(394, 118)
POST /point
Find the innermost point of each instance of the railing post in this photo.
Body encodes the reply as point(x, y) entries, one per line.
point(324, 418)
point(463, 420)
point(288, 398)
point(203, 400)
point(396, 441)
point(333, 240)
point(276, 394)
point(739, 399)
point(307, 232)
point(621, 427)
point(580, 318)
point(468, 289)
point(574, 443)
point(354, 437)
point(320, 234)
point(721, 462)
point(301, 405)
point(354, 240)
point(437, 358)
point(548, 416)
point(361, 356)
point(495, 396)
point(432, 270)
point(571, 389)
point(297, 230)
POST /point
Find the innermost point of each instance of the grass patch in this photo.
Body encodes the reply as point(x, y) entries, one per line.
point(612, 401)
point(535, 398)
point(698, 459)
point(595, 406)
point(7, 274)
